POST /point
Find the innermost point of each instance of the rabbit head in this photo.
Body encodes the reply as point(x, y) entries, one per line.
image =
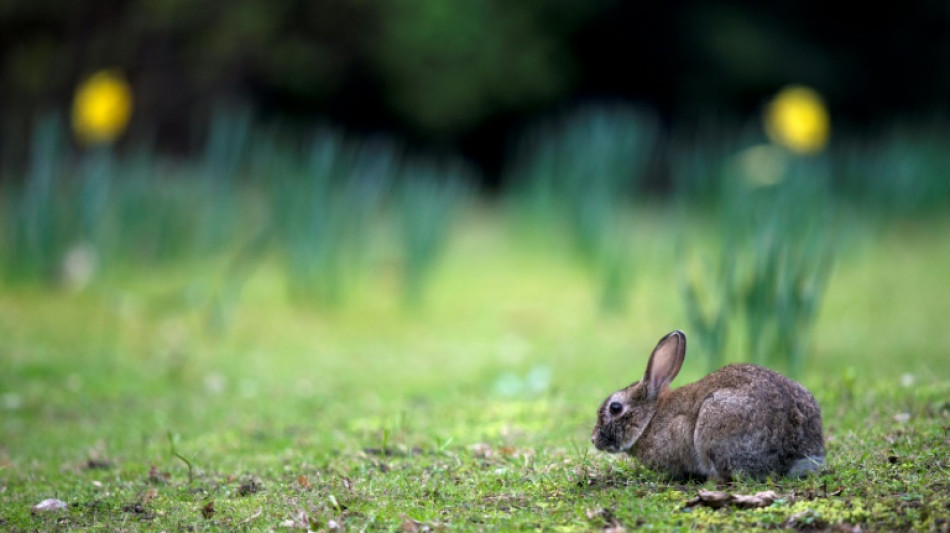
point(624, 415)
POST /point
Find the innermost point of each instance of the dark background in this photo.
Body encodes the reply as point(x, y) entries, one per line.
point(465, 77)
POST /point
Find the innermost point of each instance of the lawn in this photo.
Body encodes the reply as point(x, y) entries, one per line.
point(145, 403)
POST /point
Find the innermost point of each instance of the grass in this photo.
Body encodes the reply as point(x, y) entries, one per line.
point(472, 413)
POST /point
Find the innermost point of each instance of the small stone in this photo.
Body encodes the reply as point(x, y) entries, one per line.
point(47, 505)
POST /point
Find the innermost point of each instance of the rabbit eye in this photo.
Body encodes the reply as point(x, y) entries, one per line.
point(615, 408)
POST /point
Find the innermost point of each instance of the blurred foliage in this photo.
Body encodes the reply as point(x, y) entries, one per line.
point(428, 198)
point(696, 159)
point(181, 57)
point(771, 259)
point(905, 171)
point(454, 71)
point(318, 209)
point(440, 67)
point(578, 177)
point(449, 65)
point(33, 231)
point(86, 215)
point(323, 220)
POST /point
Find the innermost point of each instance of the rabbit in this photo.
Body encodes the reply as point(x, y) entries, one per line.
point(742, 419)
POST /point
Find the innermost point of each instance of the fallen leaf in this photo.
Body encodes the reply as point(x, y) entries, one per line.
point(347, 483)
point(47, 505)
point(759, 499)
point(508, 450)
point(303, 481)
point(333, 525)
point(150, 494)
point(710, 498)
point(716, 499)
point(208, 510)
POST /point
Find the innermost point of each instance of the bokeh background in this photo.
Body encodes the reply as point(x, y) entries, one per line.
point(464, 79)
point(706, 165)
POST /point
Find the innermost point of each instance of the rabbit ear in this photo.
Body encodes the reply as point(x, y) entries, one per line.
point(665, 362)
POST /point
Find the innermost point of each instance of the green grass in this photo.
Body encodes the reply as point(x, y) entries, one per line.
point(472, 413)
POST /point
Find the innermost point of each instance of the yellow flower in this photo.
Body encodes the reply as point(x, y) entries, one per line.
point(797, 119)
point(102, 107)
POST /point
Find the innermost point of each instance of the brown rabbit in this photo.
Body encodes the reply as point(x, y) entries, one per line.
point(741, 419)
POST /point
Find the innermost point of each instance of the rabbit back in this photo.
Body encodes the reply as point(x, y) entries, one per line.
point(742, 419)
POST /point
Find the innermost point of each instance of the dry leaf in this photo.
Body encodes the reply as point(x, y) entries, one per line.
point(717, 499)
point(150, 494)
point(759, 499)
point(47, 505)
point(347, 483)
point(208, 510)
point(303, 481)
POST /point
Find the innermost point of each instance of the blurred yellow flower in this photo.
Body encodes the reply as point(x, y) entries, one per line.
point(102, 107)
point(797, 119)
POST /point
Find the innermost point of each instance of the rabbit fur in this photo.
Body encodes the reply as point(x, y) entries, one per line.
point(742, 419)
